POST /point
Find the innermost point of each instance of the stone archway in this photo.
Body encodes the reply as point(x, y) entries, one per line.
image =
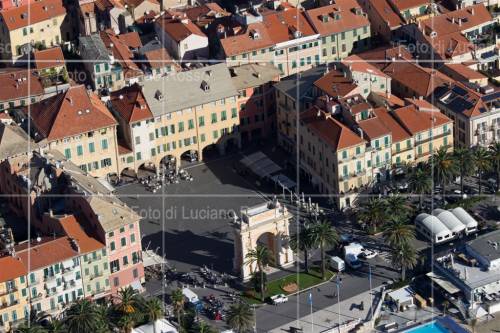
point(266, 224)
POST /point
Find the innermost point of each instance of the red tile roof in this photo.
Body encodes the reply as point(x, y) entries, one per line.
point(158, 58)
point(423, 81)
point(398, 132)
point(335, 84)
point(385, 11)
point(336, 134)
point(11, 268)
point(418, 121)
point(374, 128)
point(324, 19)
point(121, 47)
point(74, 230)
point(178, 26)
point(73, 112)
point(130, 103)
point(357, 64)
point(36, 12)
point(48, 252)
point(49, 58)
point(15, 83)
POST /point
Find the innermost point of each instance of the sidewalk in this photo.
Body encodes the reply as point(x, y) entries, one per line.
point(328, 318)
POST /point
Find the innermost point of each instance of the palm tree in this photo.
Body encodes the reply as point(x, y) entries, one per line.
point(324, 235)
point(404, 257)
point(81, 317)
point(495, 161)
point(463, 160)
point(57, 326)
point(482, 163)
point(396, 233)
point(28, 327)
point(373, 213)
point(177, 298)
point(303, 241)
point(420, 183)
point(261, 257)
point(446, 304)
point(398, 208)
point(203, 327)
point(128, 300)
point(153, 310)
point(239, 317)
point(127, 323)
point(444, 167)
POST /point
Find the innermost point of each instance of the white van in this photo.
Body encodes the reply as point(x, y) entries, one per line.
point(337, 264)
point(190, 296)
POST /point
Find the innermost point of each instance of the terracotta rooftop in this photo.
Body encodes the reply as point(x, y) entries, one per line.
point(342, 15)
point(335, 84)
point(73, 112)
point(122, 49)
point(47, 252)
point(374, 128)
point(11, 268)
point(464, 71)
point(385, 11)
point(423, 81)
point(129, 102)
point(49, 58)
point(74, 230)
point(462, 100)
point(336, 134)
point(358, 64)
point(178, 26)
point(36, 12)
point(416, 121)
point(15, 83)
point(398, 132)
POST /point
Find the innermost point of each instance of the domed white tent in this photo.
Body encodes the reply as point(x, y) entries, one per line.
point(464, 217)
point(432, 228)
point(450, 221)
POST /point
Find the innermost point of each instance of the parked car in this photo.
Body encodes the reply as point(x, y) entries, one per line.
point(368, 254)
point(337, 264)
point(279, 299)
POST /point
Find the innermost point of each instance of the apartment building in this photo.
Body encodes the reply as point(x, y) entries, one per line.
point(193, 111)
point(476, 116)
point(276, 33)
point(458, 36)
point(333, 157)
point(55, 278)
point(366, 76)
point(99, 63)
point(430, 130)
point(13, 306)
point(385, 21)
point(181, 37)
point(78, 124)
point(413, 10)
point(93, 259)
point(40, 23)
point(343, 28)
point(256, 100)
point(19, 88)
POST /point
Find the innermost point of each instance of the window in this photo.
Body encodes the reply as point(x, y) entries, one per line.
point(123, 242)
point(397, 147)
point(202, 138)
point(112, 246)
point(342, 35)
point(135, 273)
point(125, 261)
point(104, 144)
point(138, 156)
point(135, 257)
point(190, 124)
point(358, 150)
point(386, 141)
point(91, 147)
point(67, 153)
point(115, 266)
point(214, 118)
point(79, 150)
point(294, 64)
point(132, 238)
point(215, 134)
point(151, 136)
point(25, 31)
point(201, 121)
point(181, 126)
point(223, 116)
point(344, 154)
point(116, 282)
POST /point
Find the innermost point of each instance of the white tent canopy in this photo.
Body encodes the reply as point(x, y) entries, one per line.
point(260, 164)
point(464, 217)
point(449, 220)
point(161, 326)
point(403, 296)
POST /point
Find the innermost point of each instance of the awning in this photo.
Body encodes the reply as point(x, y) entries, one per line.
point(106, 184)
point(150, 258)
point(443, 283)
point(284, 180)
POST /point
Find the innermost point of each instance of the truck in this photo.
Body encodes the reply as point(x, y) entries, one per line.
point(190, 296)
point(352, 260)
point(337, 264)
